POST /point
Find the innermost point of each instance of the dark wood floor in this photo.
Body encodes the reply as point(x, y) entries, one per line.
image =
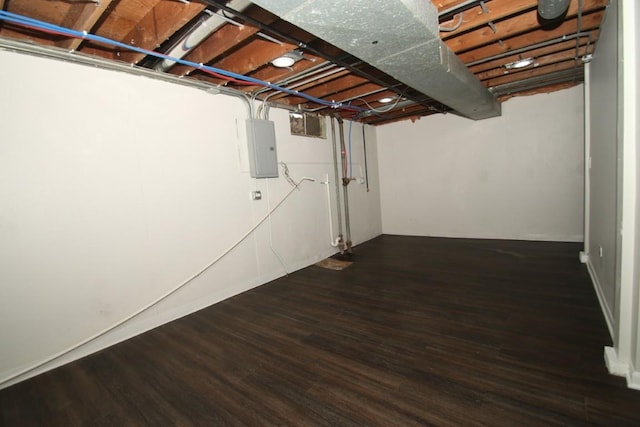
point(418, 331)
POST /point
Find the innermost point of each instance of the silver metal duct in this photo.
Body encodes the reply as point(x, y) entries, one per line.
point(399, 37)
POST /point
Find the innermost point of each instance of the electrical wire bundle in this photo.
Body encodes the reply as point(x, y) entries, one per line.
point(46, 27)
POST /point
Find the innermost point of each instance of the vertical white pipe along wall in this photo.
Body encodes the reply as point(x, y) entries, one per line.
point(115, 188)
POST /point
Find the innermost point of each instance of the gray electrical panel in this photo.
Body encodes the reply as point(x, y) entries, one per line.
point(263, 158)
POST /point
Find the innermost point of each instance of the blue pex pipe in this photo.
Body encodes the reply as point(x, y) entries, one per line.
point(47, 27)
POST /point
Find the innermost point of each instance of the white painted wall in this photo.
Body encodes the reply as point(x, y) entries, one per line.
point(614, 150)
point(518, 176)
point(635, 380)
point(628, 287)
point(115, 188)
point(603, 117)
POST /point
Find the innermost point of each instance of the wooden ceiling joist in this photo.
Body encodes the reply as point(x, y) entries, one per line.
point(253, 56)
point(328, 90)
point(275, 74)
point(546, 89)
point(123, 17)
point(82, 17)
point(571, 75)
point(496, 10)
point(566, 55)
point(534, 53)
point(519, 24)
point(13, 32)
point(540, 71)
point(357, 91)
point(216, 45)
point(43, 10)
point(489, 37)
point(158, 25)
point(589, 22)
point(333, 80)
point(400, 113)
point(374, 101)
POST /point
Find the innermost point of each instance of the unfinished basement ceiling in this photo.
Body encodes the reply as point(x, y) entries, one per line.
point(239, 37)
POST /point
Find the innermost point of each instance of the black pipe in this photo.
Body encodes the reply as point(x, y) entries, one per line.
point(552, 10)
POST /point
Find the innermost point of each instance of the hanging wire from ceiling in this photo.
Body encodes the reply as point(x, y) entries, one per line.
point(454, 26)
point(49, 28)
point(386, 109)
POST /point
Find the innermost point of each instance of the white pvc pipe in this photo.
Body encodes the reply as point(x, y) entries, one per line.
point(207, 27)
point(332, 241)
point(584, 255)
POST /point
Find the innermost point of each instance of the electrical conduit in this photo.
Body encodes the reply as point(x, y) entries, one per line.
point(337, 183)
point(345, 186)
point(217, 72)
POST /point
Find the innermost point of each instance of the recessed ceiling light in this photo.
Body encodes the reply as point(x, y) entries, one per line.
point(386, 99)
point(288, 59)
point(521, 63)
point(283, 62)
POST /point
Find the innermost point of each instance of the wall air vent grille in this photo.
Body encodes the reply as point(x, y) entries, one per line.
point(308, 124)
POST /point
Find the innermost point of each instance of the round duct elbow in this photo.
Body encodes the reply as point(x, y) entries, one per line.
point(552, 9)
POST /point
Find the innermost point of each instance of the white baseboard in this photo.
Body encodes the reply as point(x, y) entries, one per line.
point(608, 316)
point(614, 365)
point(634, 380)
point(621, 369)
point(584, 257)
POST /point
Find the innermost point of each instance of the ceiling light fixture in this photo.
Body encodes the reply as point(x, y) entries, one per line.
point(386, 99)
point(288, 59)
point(521, 63)
point(283, 62)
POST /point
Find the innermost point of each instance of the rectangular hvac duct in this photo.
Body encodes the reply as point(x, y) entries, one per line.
point(399, 37)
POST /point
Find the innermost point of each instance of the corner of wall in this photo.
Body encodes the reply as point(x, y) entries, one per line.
point(158, 208)
point(634, 380)
point(614, 364)
point(620, 368)
point(606, 311)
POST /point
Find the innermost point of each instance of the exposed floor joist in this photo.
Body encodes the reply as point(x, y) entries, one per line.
point(491, 34)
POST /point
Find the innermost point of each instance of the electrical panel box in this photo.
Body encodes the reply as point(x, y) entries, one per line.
point(263, 158)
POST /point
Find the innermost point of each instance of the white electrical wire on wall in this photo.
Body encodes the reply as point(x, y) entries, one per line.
point(159, 299)
point(273, 249)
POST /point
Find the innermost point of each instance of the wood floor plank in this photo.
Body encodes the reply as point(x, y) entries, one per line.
point(418, 331)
